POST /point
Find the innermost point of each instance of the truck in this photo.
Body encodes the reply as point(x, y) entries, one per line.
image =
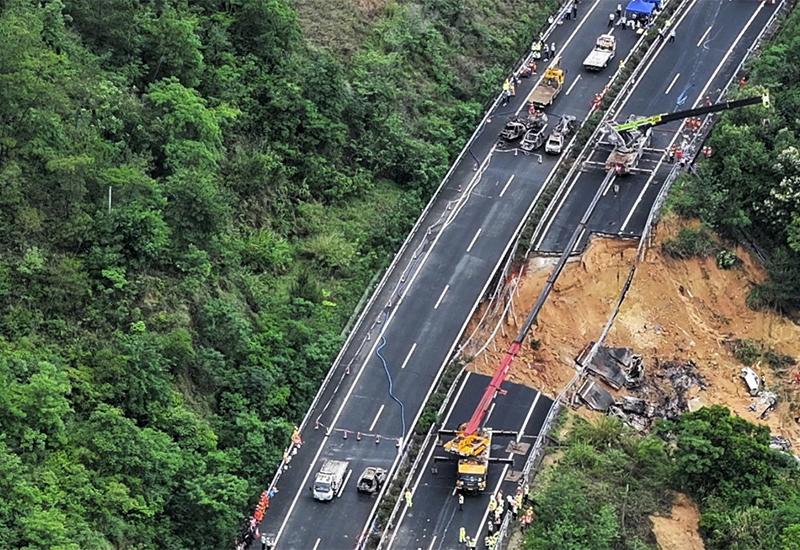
point(330, 478)
point(472, 470)
point(548, 89)
point(632, 137)
point(558, 137)
point(603, 52)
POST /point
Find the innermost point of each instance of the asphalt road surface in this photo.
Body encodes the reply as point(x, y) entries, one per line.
point(712, 38)
point(423, 309)
point(434, 520)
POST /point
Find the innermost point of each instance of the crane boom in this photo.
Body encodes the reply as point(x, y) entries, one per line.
point(664, 118)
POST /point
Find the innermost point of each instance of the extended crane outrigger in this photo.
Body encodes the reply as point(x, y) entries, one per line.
point(632, 137)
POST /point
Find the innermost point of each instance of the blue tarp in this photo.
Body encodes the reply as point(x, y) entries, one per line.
point(640, 7)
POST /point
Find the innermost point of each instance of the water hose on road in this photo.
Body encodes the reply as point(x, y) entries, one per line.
point(391, 385)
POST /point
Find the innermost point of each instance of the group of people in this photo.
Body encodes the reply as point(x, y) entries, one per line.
point(637, 22)
point(540, 50)
point(515, 504)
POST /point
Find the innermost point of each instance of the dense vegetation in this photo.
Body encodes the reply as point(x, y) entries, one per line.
point(750, 187)
point(608, 481)
point(193, 199)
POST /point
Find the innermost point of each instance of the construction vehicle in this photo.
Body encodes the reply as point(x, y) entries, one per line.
point(330, 479)
point(632, 137)
point(550, 86)
point(603, 52)
point(371, 480)
point(558, 137)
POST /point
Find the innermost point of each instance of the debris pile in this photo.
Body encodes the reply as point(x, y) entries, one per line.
point(667, 393)
point(618, 367)
point(780, 443)
point(675, 309)
point(765, 400)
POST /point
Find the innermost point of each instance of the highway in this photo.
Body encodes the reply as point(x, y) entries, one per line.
point(415, 319)
point(712, 38)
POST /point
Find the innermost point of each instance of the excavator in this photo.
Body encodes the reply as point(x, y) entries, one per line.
point(631, 138)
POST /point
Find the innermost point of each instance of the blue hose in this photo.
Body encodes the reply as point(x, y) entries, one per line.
point(391, 384)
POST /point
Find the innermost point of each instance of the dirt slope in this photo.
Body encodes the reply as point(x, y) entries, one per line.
point(574, 314)
point(679, 531)
point(676, 309)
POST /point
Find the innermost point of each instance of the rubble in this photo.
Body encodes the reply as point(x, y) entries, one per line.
point(595, 396)
point(667, 394)
point(634, 405)
point(617, 366)
point(780, 443)
point(766, 401)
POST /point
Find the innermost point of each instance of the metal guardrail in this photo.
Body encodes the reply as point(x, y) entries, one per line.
point(553, 410)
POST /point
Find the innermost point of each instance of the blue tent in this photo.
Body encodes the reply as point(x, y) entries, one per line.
point(639, 7)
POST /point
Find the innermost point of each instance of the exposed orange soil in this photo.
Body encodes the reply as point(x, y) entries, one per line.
point(678, 531)
point(675, 309)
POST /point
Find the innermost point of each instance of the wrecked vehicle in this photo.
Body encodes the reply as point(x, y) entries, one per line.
point(371, 480)
point(752, 380)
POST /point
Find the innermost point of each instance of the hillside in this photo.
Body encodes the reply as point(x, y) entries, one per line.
point(194, 197)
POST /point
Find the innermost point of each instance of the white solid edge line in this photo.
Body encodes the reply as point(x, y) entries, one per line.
point(530, 412)
point(554, 214)
point(671, 84)
point(366, 361)
point(531, 206)
point(699, 98)
point(475, 238)
point(362, 369)
point(505, 467)
point(424, 467)
point(408, 357)
point(316, 544)
point(377, 416)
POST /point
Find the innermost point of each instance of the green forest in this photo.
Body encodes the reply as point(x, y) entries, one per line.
point(607, 482)
point(749, 190)
point(194, 196)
